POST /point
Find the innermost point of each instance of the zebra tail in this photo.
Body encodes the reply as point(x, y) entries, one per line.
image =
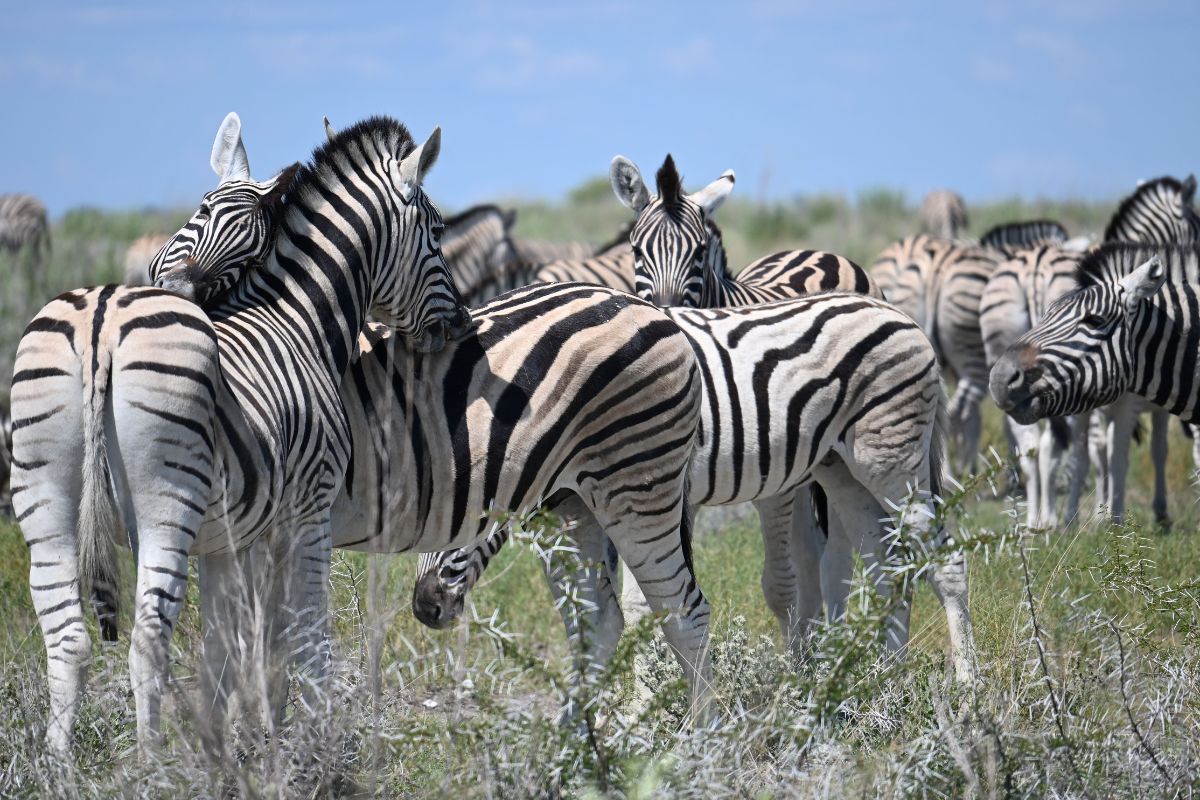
point(98, 520)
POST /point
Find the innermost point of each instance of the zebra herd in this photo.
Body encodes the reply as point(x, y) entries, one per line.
point(323, 361)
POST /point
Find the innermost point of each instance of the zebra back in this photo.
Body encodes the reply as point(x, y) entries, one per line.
point(1020, 291)
point(477, 248)
point(23, 224)
point(1158, 211)
point(943, 213)
point(1012, 237)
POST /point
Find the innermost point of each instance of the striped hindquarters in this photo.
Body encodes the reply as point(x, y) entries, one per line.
point(1020, 291)
point(795, 273)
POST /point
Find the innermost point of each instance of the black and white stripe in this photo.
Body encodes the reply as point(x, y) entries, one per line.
point(1134, 326)
point(1014, 237)
point(939, 282)
point(201, 437)
point(1015, 299)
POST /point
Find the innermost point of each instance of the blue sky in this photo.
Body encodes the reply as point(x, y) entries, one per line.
point(116, 105)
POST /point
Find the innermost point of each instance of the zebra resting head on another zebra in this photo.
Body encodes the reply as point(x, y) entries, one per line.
point(671, 237)
point(210, 252)
point(1119, 333)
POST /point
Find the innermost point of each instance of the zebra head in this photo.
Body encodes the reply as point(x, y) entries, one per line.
point(232, 230)
point(1080, 356)
point(672, 240)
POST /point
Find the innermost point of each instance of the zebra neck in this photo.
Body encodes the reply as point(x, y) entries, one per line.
point(718, 283)
point(317, 282)
point(1165, 352)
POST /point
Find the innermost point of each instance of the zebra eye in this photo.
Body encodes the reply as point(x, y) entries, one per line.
point(1094, 321)
point(438, 230)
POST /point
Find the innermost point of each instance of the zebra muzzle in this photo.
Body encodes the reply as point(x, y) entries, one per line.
point(434, 605)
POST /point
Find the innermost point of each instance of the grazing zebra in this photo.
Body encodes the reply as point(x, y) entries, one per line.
point(1159, 211)
point(23, 224)
point(938, 283)
point(943, 214)
point(1015, 299)
point(139, 255)
point(840, 389)
point(1131, 328)
point(202, 436)
point(667, 235)
point(577, 396)
point(1014, 237)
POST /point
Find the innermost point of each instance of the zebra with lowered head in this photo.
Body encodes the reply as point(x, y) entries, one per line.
point(203, 434)
point(1131, 328)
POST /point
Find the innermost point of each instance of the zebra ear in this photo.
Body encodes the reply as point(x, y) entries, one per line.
point(228, 158)
point(329, 130)
point(278, 185)
point(628, 185)
point(1143, 283)
point(1189, 189)
point(712, 196)
point(416, 164)
point(508, 219)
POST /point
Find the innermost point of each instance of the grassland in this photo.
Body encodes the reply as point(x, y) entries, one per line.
point(1088, 636)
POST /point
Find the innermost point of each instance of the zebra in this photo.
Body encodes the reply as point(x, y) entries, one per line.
point(943, 214)
point(747, 453)
point(1014, 237)
point(546, 400)
point(1014, 300)
point(203, 434)
point(1131, 328)
point(5, 459)
point(23, 224)
point(837, 388)
point(938, 282)
point(666, 238)
point(139, 255)
point(1159, 211)
point(538, 251)
point(477, 247)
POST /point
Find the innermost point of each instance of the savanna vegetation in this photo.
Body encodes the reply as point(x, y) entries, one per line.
point(1089, 635)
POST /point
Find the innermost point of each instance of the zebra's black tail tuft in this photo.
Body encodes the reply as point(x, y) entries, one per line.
point(1060, 429)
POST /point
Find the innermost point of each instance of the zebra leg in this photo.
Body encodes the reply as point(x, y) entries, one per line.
point(1050, 453)
point(1026, 438)
point(594, 624)
point(859, 529)
point(1080, 425)
point(808, 545)
point(779, 580)
point(1120, 437)
point(1160, 424)
point(1195, 431)
point(656, 549)
point(1097, 443)
point(224, 598)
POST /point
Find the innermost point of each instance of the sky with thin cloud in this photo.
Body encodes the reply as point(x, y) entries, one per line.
point(115, 105)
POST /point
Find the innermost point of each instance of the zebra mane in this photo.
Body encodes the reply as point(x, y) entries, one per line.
point(1114, 260)
point(1185, 190)
point(670, 185)
point(1022, 235)
point(384, 133)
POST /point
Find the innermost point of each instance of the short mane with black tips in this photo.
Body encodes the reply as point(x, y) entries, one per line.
point(383, 133)
point(670, 185)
